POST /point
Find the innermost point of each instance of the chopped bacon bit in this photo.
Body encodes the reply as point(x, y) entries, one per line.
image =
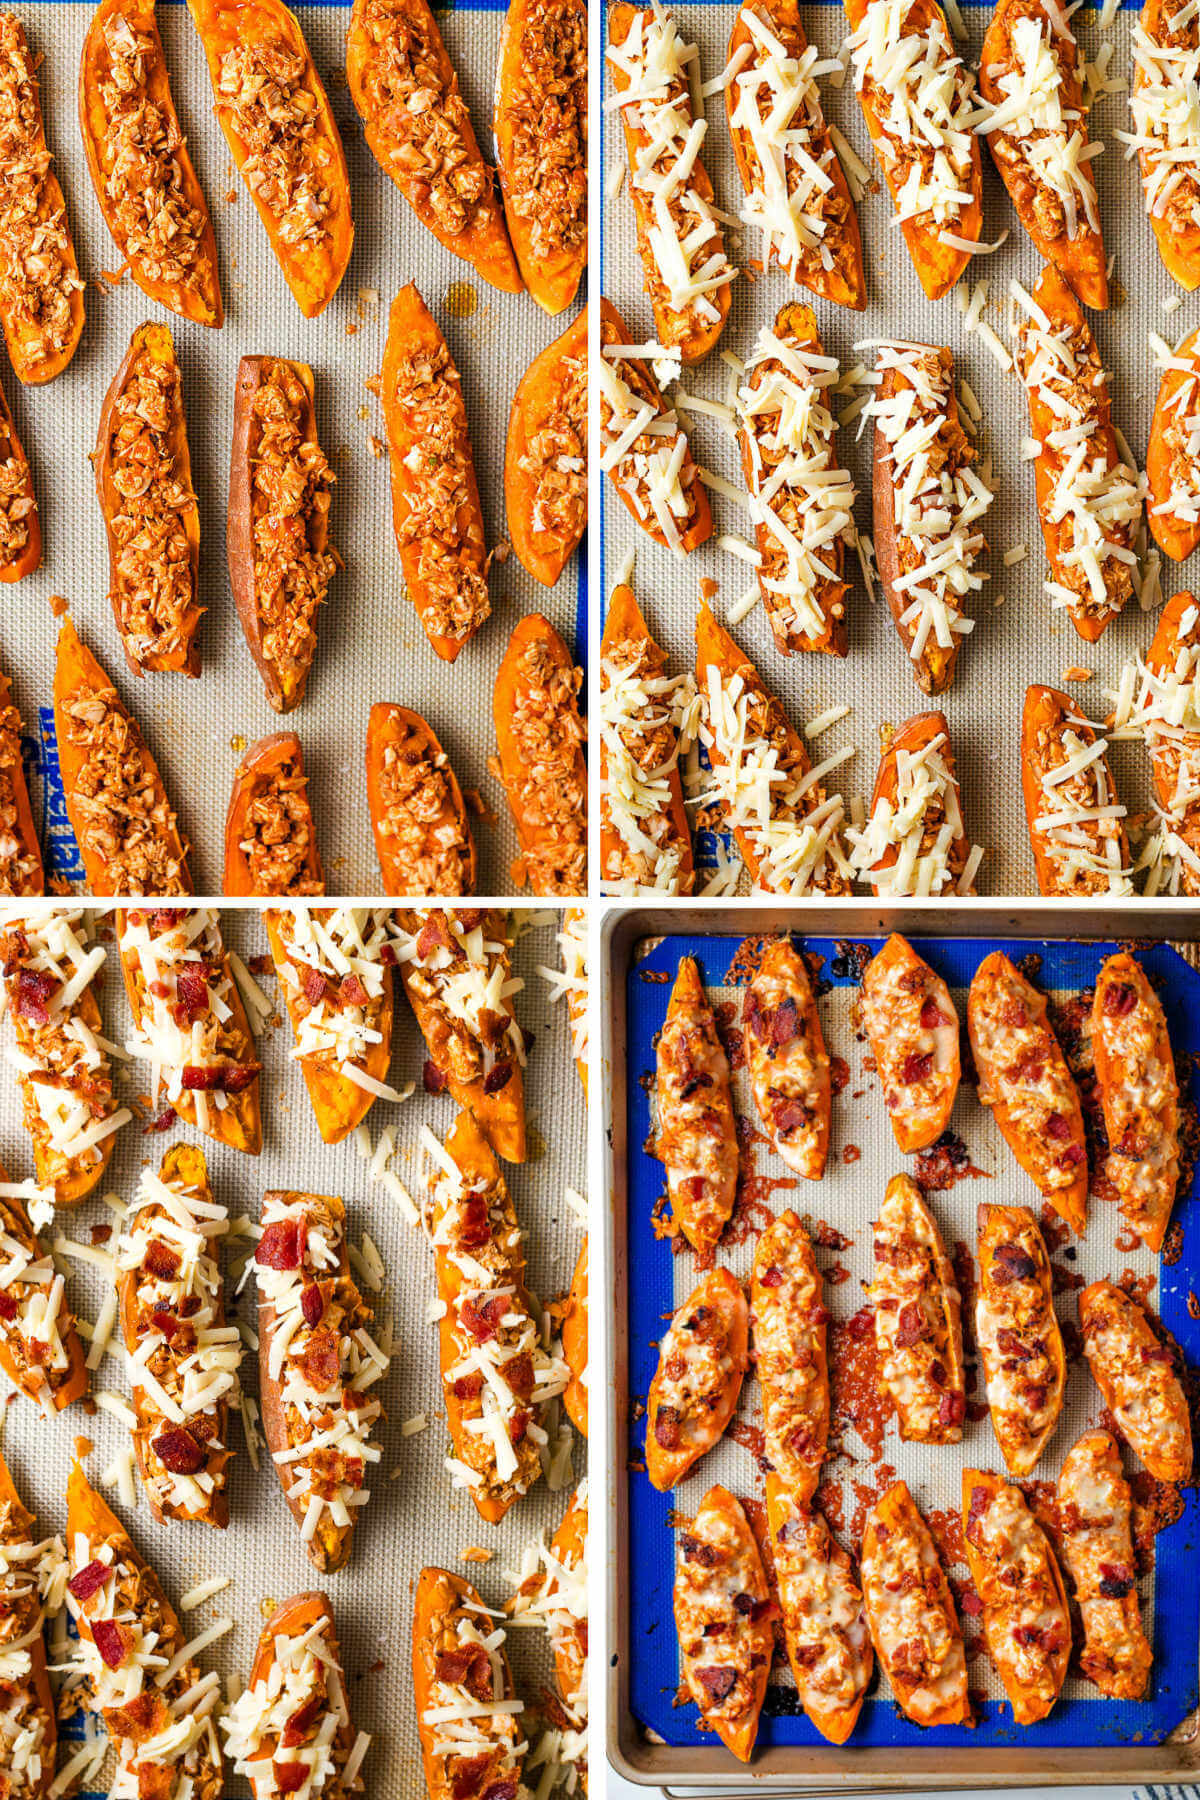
point(34, 988)
point(786, 1023)
point(1116, 1580)
point(931, 1015)
point(1119, 999)
point(109, 1640)
point(475, 1228)
point(434, 1079)
point(916, 1068)
point(290, 1777)
point(320, 1360)
point(282, 1244)
point(469, 1386)
point(521, 1422)
point(163, 1321)
point(314, 984)
point(312, 1303)
point(1012, 1264)
point(8, 1306)
point(191, 984)
point(771, 1278)
point(161, 1260)
point(667, 1421)
point(300, 1723)
point(434, 935)
point(717, 1683)
point(1057, 1127)
point(224, 1078)
point(164, 1121)
point(90, 1579)
point(910, 1326)
point(498, 1076)
point(953, 1409)
point(353, 993)
point(178, 1451)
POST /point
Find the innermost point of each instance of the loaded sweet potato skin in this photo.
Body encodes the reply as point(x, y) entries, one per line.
point(912, 1025)
point(398, 69)
point(639, 378)
point(625, 629)
point(896, 1540)
point(21, 515)
point(271, 770)
point(788, 1062)
point(1017, 1335)
point(1045, 716)
point(198, 298)
point(244, 29)
point(396, 734)
point(1135, 1372)
point(24, 1622)
point(719, 1559)
point(15, 1220)
point(1016, 1575)
point(448, 1611)
point(282, 1752)
point(791, 1354)
point(1170, 439)
point(912, 737)
point(152, 346)
point(697, 1137)
point(539, 736)
point(1175, 752)
point(548, 422)
point(1095, 1513)
point(688, 1409)
point(22, 873)
point(543, 53)
point(820, 1600)
point(1139, 1095)
point(1175, 231)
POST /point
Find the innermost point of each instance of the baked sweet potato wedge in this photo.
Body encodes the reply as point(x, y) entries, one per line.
point(718, 1568)
point(41, 293)
point(540, 121)
point(137, 157)
point(928, 500)
point(1165, 41)
point(52, 978)
point(824, 1622)
point(1166, 709)
point(22, 874)
point(918, 1319)
point(1173, 454)
point(40, 1351)
point(273, 1741)
point(1025, 1080)
point(1095, 1511)
point(796, 192)
point(178, 979)
point(1139, 1095)
point(556, 1593)
point(334, 965)
point(126, 828)
point(419, 819)
point(455, 1658)
point(29, 1588)
point(317, 1365)
point(436, 512)
point(151, 519)
point(696, 1133)
point(679, 235)
point(789, 829)
point(539, 736)
point(644, 448)
point(270, 836)
point(172, 1312)
point(1089, 500)
point(456, 966)
point(918, 98)
point(491, 1355)
point(20, 524)
point(545, 456)
point(272, 107)
point(645, 838)
point(575, 1345)
point(1017, 1335)
point(912, 1028)
point(702, 1360)
point(791, 1354)
point(124, 1618)
point(1075, 816)
point(914, 841)
point(419, 131)
point(1016, 1575)
point(802, 503)
point(897, 1549)
point(277, 528)
point(1037, 132)
point(1135, 1372)
point(787, 1059)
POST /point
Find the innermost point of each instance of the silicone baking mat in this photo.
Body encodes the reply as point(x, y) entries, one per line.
point(1013, 644)
point(862, 1158)
point(370, 644)
point(413, 1518)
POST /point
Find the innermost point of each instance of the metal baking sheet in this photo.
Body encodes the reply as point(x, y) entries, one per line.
point(413, 1518)
point(1013, 644)
point(370, 643)
point(652, 1737)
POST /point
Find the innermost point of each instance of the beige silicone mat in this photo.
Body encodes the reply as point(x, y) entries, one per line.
point(371, 646)
point(1011, 646)
point(412, 1518)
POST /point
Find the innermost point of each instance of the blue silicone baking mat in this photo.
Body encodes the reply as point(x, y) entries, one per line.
point(978, 1167)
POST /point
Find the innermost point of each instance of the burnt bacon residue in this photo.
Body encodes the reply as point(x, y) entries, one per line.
point(824, 1235)
point(1172, 1248)
point(1189, 1120)
point(850, 960)
point(751, 1438)
point(746, 959)
point(945, 1162)
point(1030, 966)
point(727, 1017)
point(1156, 1505)
point(856, 1398)
point(839, 1074)
point(828, 1498)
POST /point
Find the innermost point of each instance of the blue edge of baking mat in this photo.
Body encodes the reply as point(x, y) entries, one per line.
point(40, 753)
point(654, 1671)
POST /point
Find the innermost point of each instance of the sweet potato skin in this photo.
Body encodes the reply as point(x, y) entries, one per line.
point(76, 1384)
point(486, 244)
point(25, 829)
point(719, 1294)
point(1176, 538)
point(1045, 710)
point(912, 1135)
point(1027, 1708)
point(285, 688)
point(506, 699)
point(896, 1510)
point(1179, 250)
point(575, 1345)
point(999, 1225)
point(38, 1680)
point(552, 280)
point(625, 622)
point(1152, 1206)
point(836, 1725)
point(1160, 657)
point(613, 330)
point(155, 342)
point(202, 305)
point(258, 767)
point(439, 1593)
point(76, 673)
point(728, 1515)
point(292, 1618)
point(314, 276)
point(31, 556)
point(386, 724)
point(912, 736)
point(411, 328)
point(537, 399)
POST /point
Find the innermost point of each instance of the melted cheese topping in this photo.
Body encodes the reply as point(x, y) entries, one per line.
point(923, 97)
point(643, 448)
point(911, 843)
point(918, 1335)
point(801, 502)
point(697, 1370)
point(696, 1139)
point(914, 1632)
point(1139, 1108)
point(457, 966)
point(909, 1017)
point(1135, 1374)
point(685, 242)
point(1028, 1630)
point(1095, 1514)
point(1164, 103)
point(303, 1673)
point(1017, 1335)
point(1021, 1067)
point(789, 1067)
point(32, 1584)
point(824, 1624)
point(1036, 136)
point(718, 1566)
point(789, 1350)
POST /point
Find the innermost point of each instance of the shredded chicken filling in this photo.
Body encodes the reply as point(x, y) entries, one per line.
point(454, 596)
point(37, 264)
point(154, 586)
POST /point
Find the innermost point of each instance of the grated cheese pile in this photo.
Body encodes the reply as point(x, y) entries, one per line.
point(571, 980)
point(791, 196)
point(302, 1680)
point(37, 1334)
point(183, 1378)
point(170, 1033)
point(458, 1727)
point(802, 503)
point(332, 976)
point(789, 823)
point(1181, 438)
point(685, 242)
point(647, 720)
point(1093, 508)
point(1164, 105)
point(33, 1580)
point(938, 497)
point(921, 826)
point(643, 448)
point(1036, 138)
point(923, 96)
point(1081, 816)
